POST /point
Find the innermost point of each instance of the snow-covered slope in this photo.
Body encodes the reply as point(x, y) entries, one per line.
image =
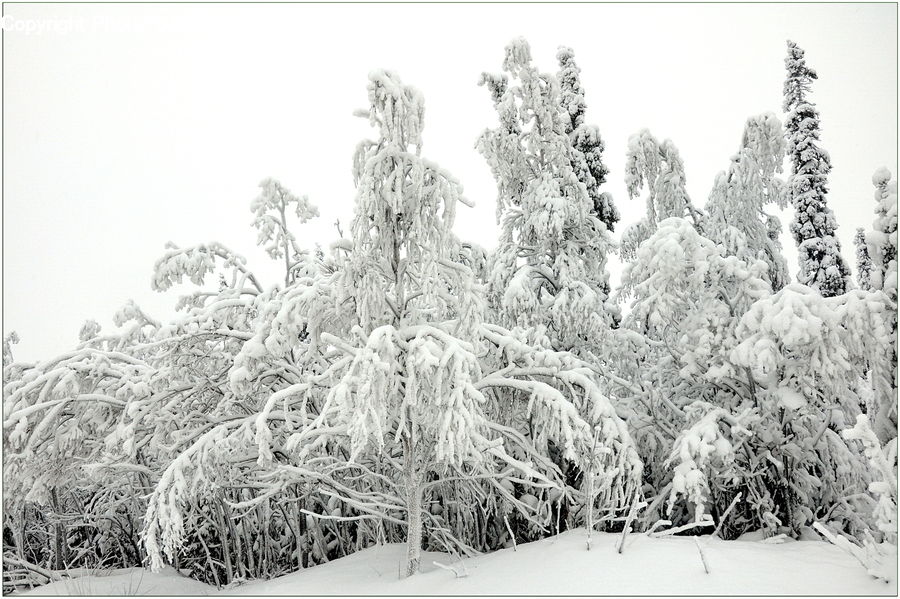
point(563, 566)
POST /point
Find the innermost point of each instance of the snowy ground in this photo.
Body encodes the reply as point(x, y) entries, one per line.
point(560, 566)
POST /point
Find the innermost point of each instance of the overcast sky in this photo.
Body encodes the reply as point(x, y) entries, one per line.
point(127, 126)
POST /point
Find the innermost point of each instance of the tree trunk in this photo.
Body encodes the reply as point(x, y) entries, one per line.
point(413, 512)
point(59, 533)
point(414, 529)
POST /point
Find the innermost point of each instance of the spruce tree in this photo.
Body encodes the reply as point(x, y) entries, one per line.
point(863, 260)
point(821, 265)
point(587, 145)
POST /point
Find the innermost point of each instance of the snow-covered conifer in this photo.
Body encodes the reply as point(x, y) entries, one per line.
point(821, 265)
point(587, 145)
point(881, 249)
point(863, 260)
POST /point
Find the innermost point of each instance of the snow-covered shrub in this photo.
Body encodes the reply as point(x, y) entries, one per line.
point(807, 355)
point(719, 351)
point(704, 450)
point(875, 548)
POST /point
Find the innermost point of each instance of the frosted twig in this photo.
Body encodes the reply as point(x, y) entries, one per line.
point(635, 506)
point(558, 511)
point(657, 524)
point(702, 555)
point(725, 515)
point(842, 542)
point(678, 529)
point(511, 535)
point(822, 430)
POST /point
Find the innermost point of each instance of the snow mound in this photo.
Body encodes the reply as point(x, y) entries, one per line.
point(126, 582)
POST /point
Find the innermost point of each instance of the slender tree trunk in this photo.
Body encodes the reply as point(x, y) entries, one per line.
point(287, 256)
point(302, 542)
point(413, 511)
point(589, 506)
point(23, 533)
point(414, 532)
point(59, 533)
point(226, 544)
point(238, 555)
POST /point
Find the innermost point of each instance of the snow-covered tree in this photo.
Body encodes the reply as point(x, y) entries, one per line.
point(687, 299)
point(735, 210)
point(821, 265)
point(880, 248)
point(389, 385)
point(60, 418)
point(882, 241)
point(394, 379)
point(658, 167)
point(863, 260)
point(805, 354)
point(738, 390)
point(587, 145)
point(549, 269)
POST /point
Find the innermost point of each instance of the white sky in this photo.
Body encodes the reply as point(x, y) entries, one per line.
point(127, 126)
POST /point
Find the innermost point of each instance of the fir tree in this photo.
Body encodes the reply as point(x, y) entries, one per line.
point(821, 265)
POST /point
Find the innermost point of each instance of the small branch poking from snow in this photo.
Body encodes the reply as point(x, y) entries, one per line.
point(632, 512)
point(452, 569)
point(558, 510)
point(842, 542)
point(702, 555)
point(678, 529)
point(511, 535)
point(725, 515)
point(657, 524)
